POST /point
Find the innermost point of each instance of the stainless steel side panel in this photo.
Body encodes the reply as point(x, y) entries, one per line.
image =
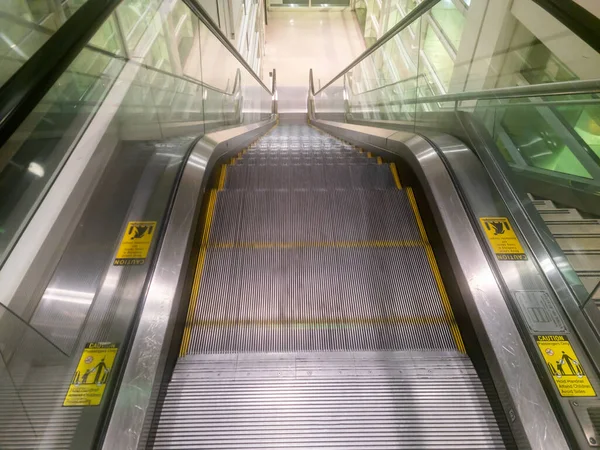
point(137, 395)
point(530, 414)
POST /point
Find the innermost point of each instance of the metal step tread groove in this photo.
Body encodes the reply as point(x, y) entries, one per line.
point(400, 400)
point(310, 176)
point(318, 299)
point(326, 216)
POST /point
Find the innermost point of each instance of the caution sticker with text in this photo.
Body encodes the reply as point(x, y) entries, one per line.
point(135, 244)
point(565, 367)
point(90, 377)
point(503, 239)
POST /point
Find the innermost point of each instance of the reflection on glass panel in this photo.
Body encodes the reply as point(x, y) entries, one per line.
point(437, 58)
point(326, 3)
point(35, 153)
point(158, 56)
point(360, 9)
point(289, 3)
point(552, 144)
point(585, 121)
point(27, 360)
point(450, 20)
point(25, 25)
point(233, 95)
point(165, 100)
point(107, 37)
point(539, 144)
point(375, 88)
point(135, 17)
point(398, 9)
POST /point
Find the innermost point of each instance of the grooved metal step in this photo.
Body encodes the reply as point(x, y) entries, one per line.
point(303, 160)
point(319, 299)
point(323, 216)
point(309, 176)
point(383, 400)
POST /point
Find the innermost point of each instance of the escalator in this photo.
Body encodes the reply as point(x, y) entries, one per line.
point(366, 275)
point(318, 316)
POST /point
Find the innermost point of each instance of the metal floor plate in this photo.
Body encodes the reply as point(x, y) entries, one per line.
point(368, 400)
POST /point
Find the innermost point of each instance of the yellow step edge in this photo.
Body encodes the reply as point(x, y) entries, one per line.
point(436, 274)
point(339, 244)
point(395, 175)
point(185, 343)
point(379, 160)
point(222, 176)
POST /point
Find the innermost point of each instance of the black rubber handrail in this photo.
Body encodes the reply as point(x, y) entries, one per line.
point(28, 85)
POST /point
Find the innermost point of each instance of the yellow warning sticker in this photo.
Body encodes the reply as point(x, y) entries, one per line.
point(135, 244)
point(564, 366)
point(503, 239)
point(90, 377)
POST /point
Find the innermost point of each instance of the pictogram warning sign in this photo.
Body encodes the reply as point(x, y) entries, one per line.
point(503, 239)
point(135, 244)
point(565, 367)
point(90, 377)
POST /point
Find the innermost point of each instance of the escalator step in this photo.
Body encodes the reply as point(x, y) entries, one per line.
point(391, 400)
point(310, 176)
point(315, 160)
point(319, 299)
point(324, 216)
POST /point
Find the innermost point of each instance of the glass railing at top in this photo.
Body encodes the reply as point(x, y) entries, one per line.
point(533, 83)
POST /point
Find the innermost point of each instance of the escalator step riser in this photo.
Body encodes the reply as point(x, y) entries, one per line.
point(327, 217)
point(310, 177)
point(318, 299)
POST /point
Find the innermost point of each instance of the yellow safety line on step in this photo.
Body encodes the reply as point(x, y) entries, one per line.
point(185, 343)
point(222, 177)
point(395, 175)
point(436, 274)
point(400, 320)
point(340, 244)
point(379, 160)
